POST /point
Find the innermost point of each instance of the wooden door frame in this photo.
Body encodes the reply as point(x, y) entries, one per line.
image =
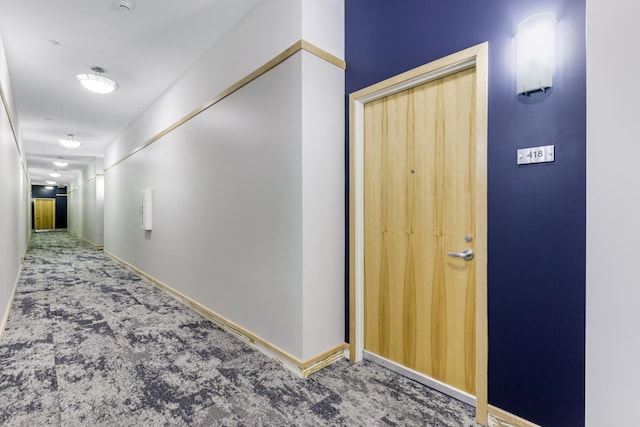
point(35, 212)
point(473, 57)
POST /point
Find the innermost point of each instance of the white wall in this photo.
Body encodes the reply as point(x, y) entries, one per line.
point(271, 27)
point(323, 25)
point(14, 213)
point(613, 214)
point(227, 223)
point(85, 203)
point(248, 208)
point(323, 203)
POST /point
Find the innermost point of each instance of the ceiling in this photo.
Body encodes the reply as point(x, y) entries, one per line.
point(144, 49)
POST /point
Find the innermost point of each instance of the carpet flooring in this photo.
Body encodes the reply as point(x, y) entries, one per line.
point(89, 343)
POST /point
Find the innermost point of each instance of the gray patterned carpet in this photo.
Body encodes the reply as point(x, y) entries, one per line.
point(89, 343)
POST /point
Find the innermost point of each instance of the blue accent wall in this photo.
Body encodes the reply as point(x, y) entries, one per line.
point(536, 270)
point(41, 192)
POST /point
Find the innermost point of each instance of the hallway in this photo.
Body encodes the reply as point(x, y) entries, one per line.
point(90, 343)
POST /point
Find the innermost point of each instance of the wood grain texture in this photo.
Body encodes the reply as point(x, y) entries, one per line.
point(352, 238)
point(502, 418)
point(481, 137)
point(323, 54)
point(44, 212)
point(473, 57)
point(419, 203)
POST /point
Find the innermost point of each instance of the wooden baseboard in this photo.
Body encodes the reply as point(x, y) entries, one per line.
point(95, 246)
point(301, 369)
point(501, 418)
point(26, 247)
point(5, 316)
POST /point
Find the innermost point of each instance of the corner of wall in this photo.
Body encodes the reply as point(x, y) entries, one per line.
point(323, 25)
point(323, 183)
point(86, 203)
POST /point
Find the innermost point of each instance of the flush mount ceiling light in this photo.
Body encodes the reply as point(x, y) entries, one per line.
point(69, 142)
point(54, 174)
point(96, 83)
point(124, 5)
point(51, 182)
point(60, 162)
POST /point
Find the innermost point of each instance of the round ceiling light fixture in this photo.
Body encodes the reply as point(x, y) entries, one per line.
point(96, 83)
point(54, 174)
point(51, 182)
point(124, 5)
point(60, 162)
point(69, 142)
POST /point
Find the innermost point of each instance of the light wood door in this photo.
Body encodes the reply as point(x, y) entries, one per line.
point(419, 204)
point(44, 211)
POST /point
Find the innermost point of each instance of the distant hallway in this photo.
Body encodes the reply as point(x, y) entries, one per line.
point(90, 343)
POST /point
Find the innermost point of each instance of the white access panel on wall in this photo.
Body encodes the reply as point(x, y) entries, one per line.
point(146, 209)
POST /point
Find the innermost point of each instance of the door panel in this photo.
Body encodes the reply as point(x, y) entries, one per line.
point(419, 203)
point(44, 210)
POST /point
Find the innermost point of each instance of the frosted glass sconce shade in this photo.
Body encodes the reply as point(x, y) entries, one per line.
point(536, 53)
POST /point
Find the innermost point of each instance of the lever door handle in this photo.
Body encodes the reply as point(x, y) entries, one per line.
point(467, 254)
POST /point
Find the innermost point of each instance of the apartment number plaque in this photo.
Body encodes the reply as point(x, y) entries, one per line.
point(543, 154)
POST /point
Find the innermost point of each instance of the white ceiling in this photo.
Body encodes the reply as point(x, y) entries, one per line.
point(49, 42)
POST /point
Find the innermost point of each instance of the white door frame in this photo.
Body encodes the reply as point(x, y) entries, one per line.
point(476, 56)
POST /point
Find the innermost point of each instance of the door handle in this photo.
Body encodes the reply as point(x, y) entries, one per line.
point(467, 254)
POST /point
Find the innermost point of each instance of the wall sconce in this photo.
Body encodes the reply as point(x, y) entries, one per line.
point(536, 53)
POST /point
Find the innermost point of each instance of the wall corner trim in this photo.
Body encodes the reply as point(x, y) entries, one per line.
point(5, 104)
point(7, 110)
point(501, 418)
point(278, 59)
point(86, 181)
point(322, 54)
point(301, 369)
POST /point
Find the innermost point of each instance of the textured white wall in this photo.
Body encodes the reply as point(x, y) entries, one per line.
point(71, 203)
point(323, 204)
point(613, 213)
point(85, 204)
point(99, 212)
point(248, 209)
point(271, 27)
point(323, 25)
point(14, 212)
point(227, 217)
